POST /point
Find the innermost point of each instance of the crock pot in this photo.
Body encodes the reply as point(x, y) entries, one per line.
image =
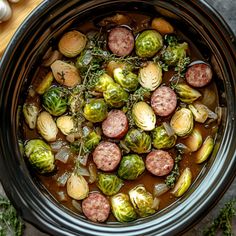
point(211, 36)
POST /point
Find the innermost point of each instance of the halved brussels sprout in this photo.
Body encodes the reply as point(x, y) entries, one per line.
point(161, 140)
point(103, 81)
point(47, 127)
point(40, 156)
point(115, 95)
point(96, 110)
point(194, 140)
point(112, 65)
point(138, 141)
point(144, 116)
point(200, 112)
point(183, 183)
point(72, 43)
point(186, 93)
point(122, 208)
point(45, 83)
point(148, 43)
point(77, 187)
point(65, 124)
point(30, 112)
point(150, 76)
point(109, 184)
point(125, 78)
point(55, 100)
point(206, 149)
point(142, 201)
point(131, 166)
point(182, 122)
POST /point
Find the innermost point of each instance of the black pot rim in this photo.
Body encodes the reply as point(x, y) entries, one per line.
point(36, 207)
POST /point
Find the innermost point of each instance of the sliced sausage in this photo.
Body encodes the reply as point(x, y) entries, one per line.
point(198, 75)
point(107, 156)
point(121, 41)
point(96, 207)
point(115, 125)
point(163, 101)
point(159, 162)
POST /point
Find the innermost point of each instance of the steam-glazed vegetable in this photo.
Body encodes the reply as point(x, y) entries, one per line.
point(161, 140)
point(186, 93)
point(200, 112)
point(194, 140)
point(47, 127)
point(148, 43)
point(183, 183)
point(115, 95)
point(112, 65)
point(65, 73)
point(142, 201)
point(103, 81)
point(72, 43)
point(45, 83)
point(109, 184)
point(40, 156)
point(91, 141)
point(127, 79)
point(138, 141)
point(30, 112)
point(77, 187)
point(84, 60)
point(55, 100)
point(206, 149)
point(131, 167)
point(162, 26)
point(122, 208)
point(144, 116)
point(182, 122)
point(95, 110)
point(65, 124)
point(150, 76)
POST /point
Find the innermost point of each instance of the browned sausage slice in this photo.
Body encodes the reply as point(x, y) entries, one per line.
point(159, 162)
point(107, 156)
point(96, 207)
point(115, 125)
point(198, 75)
point(163, 101)
point(121, 41)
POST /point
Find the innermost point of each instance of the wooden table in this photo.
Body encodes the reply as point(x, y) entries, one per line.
point(20, 11)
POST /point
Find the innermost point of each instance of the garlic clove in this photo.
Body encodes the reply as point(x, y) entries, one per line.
point(5, 11)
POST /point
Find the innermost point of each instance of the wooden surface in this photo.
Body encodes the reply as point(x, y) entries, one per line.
point(20, 11)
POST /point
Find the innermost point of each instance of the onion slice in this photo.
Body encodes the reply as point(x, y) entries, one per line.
point(170, 132)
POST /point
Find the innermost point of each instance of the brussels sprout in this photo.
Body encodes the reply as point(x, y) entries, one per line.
point(112, 65)
point(174, 53)
point(183, 183)
point(150, 76)
point(91, 141)
point(162, 26)
point(72, 43)
point(194, 140)
point(206, 149)
point(109, 184)
point(77, 187)
point(200, 112)
point(161, 140)
point(45, 83)
point(131, 166)
point(65, 124)
point(127, 79)
point(55, 100)
point(144, 116)
point(182, 122)
point(40, 156)
point(148, 43)
point(95, 110)
point(30, 112)
point(103, 81)
point(115, 95)
point(122, 208)
point(138, 141)
point(142, 201)
point(186, 93)
point(47, 127)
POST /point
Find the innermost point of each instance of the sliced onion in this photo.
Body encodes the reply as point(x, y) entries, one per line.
point(124, 147)
point(83, 159)
point(80, 170)
point(61, 181)
point(77, 205)
point(93, 173)
point(198, 62)
point(160, 189)
point(63, 155)
point(219, 112)
point(211, 114)
point(62, 197)
point(183, 149)
point(170, 132)
point(70, 138)
point(56, 146)
point(156, 203)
